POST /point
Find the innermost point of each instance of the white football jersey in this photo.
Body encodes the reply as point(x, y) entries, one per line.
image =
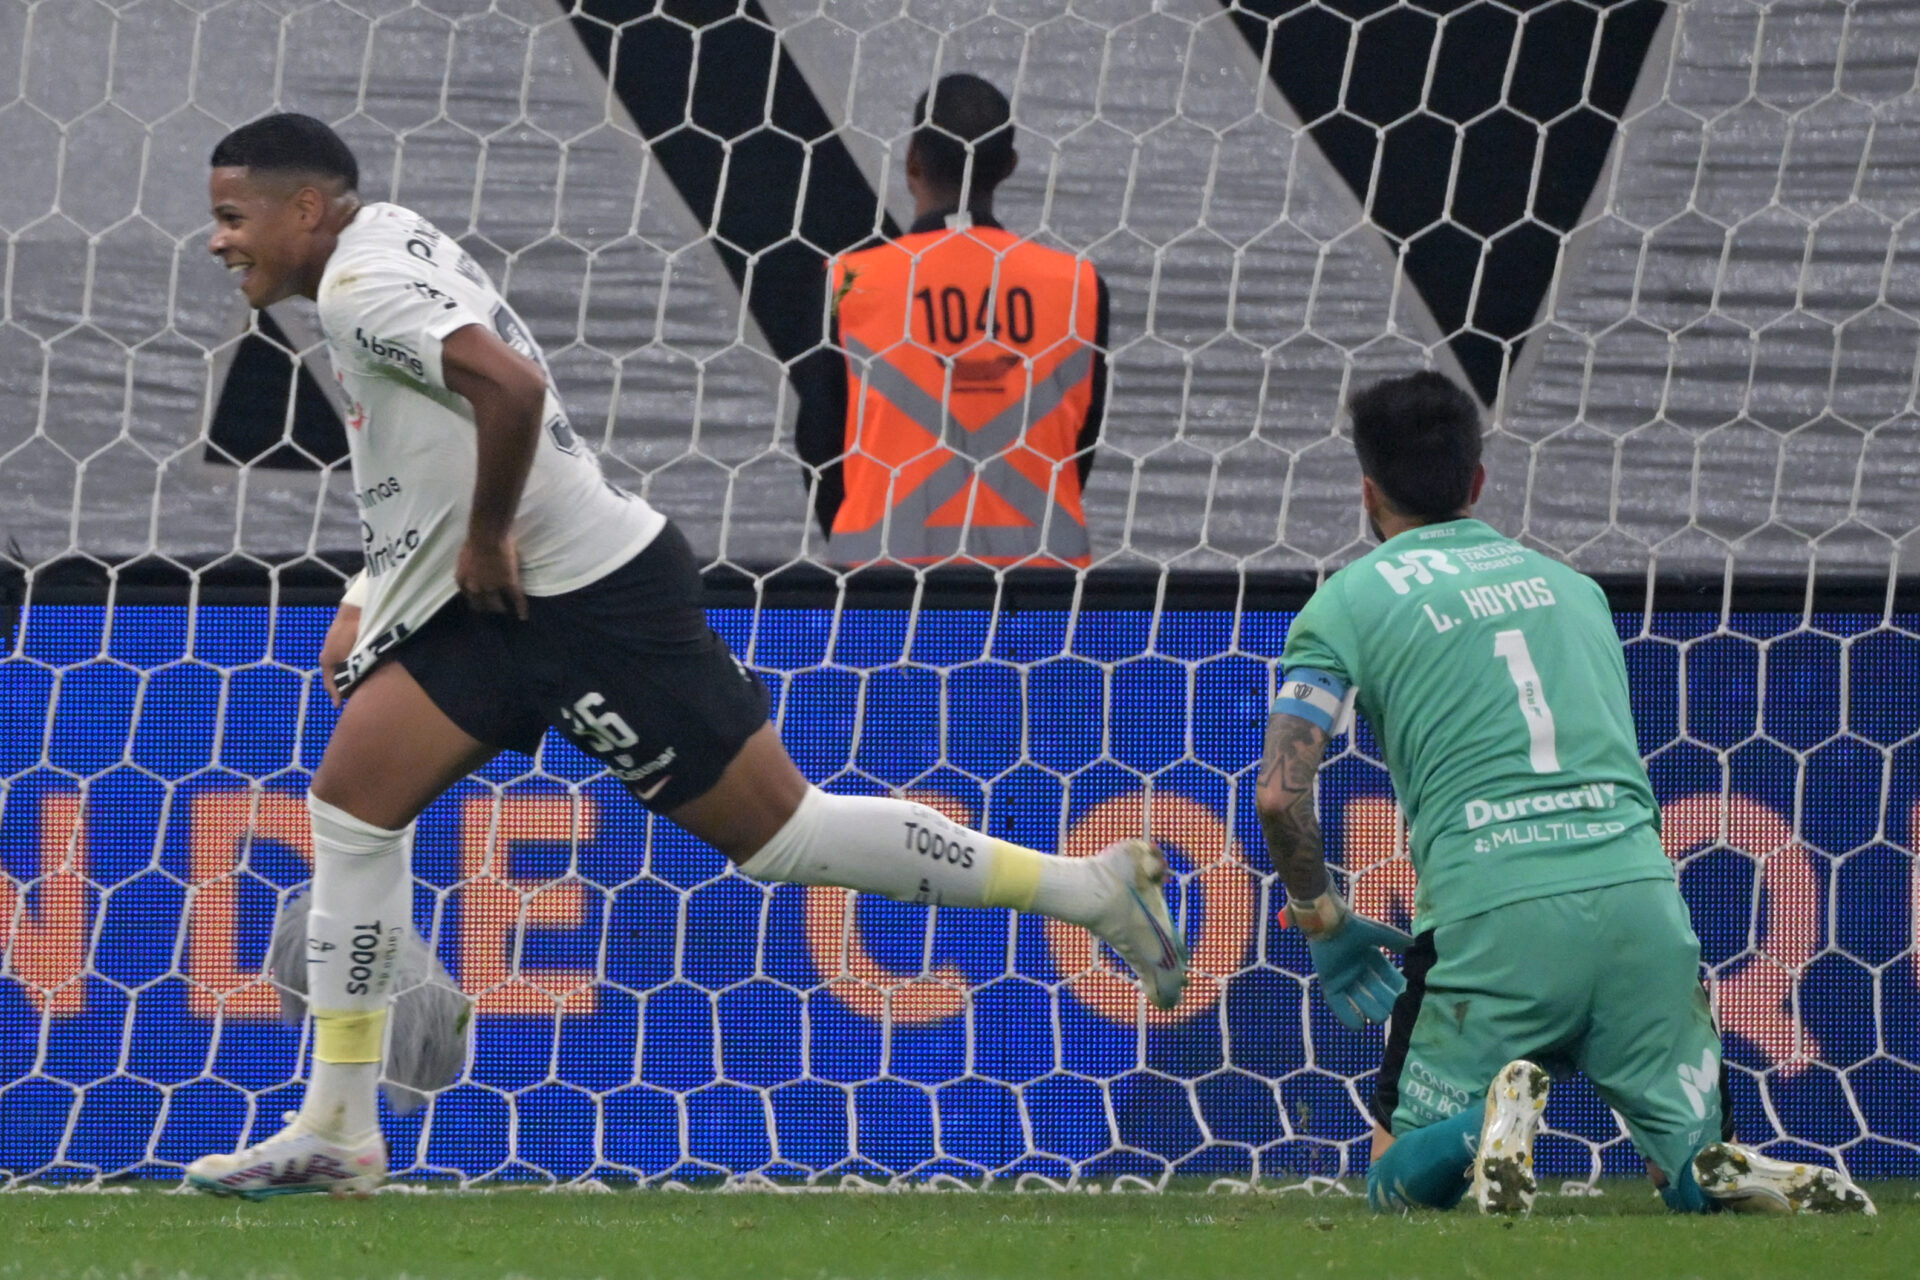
point(393, 291)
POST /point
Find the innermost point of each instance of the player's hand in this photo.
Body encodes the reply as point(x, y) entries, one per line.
point(342, 634)
point(488, 575)
point(1359, 983)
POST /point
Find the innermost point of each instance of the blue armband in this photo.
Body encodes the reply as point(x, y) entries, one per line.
point(1313, 696)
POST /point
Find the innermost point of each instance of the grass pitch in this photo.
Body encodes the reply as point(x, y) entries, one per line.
point(1181, 1235)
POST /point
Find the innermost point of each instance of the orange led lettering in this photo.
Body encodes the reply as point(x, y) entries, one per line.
point(1226, 895)
point(225, 825)
point(1380, 879)
point(1758, 1000)
point(45, 922)
point(855, 978)
point(497, 907)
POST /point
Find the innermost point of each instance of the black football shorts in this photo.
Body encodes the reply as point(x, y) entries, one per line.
point(626, 667)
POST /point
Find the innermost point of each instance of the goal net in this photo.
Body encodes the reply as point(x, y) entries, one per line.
point(1671, 249)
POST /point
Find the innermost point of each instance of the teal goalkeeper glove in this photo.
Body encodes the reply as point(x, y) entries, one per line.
point(1359, 983)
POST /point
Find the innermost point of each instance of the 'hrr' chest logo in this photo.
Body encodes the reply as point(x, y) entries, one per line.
point(1417, 566)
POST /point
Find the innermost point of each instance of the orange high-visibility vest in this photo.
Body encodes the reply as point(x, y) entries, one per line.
point(970, 372)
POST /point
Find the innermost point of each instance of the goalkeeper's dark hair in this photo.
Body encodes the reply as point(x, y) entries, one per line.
point(289, 143)
point(963, 114)
point(1418, 438)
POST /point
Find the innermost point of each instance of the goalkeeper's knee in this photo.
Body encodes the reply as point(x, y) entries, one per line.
point(1427, 1168)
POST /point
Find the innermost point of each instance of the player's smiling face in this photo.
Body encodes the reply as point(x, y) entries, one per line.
point(263, 232)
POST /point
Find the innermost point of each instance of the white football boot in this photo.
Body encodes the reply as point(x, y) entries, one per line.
point(293, 1161)
point(1503, 1165)
point(1133, 918)
point(1741, 1179)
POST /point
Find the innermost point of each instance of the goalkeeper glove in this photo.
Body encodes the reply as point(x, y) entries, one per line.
point(1358, 982)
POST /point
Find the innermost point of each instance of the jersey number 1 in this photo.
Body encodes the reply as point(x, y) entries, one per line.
point(1512, 645)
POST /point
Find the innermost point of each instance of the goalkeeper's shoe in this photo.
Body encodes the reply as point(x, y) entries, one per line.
point(1503, 1164)
point(293, 1161)
point(1741, 1179)
point(1133, 918)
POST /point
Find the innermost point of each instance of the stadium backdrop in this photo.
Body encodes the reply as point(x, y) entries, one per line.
point(1782, 742)
point(643, 1013)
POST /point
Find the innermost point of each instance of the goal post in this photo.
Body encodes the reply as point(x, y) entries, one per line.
point(1666, 246)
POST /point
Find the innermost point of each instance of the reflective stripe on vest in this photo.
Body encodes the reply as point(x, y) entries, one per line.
point(904, 532)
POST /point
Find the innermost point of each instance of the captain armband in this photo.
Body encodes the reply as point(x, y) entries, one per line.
point(1318, 697)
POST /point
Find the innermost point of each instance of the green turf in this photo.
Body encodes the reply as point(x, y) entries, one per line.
point(1183, 1235)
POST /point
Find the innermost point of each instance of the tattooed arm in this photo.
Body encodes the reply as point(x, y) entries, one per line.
point(1359, 984)
point(1285, 802)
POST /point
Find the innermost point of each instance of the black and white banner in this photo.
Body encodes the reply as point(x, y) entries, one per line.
point(1667, 246)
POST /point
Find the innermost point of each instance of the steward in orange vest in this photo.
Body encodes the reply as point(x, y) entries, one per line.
point(958, 417)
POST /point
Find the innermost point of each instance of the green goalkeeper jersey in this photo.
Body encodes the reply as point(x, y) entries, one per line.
point(1494, 682)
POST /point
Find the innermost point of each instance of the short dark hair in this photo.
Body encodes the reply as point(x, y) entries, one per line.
point(1418, 438)
point(967, 115)
point(288, 143)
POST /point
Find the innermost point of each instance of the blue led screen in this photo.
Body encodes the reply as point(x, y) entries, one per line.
point(643, 1013)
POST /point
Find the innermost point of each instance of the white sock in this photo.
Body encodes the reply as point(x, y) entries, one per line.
point(912, 853)
point(362, 906)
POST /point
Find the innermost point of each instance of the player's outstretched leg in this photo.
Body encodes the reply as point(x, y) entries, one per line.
point(1741, 1179)
point(912, 853)
point(1503, 1167)
point(766, 817)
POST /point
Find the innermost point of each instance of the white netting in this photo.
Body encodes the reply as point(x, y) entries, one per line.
point(1286, 199)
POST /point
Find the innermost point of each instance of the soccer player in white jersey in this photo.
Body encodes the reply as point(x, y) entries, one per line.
point(509, 587)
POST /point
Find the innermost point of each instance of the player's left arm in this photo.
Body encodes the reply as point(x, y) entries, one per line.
point(1359, 983)
point(1288, 769)
point(508, 393)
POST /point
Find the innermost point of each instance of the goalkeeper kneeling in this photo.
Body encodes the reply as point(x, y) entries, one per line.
point(1551, 933)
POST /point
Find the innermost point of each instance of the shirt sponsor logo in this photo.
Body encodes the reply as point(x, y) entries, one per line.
point(1414, 566)
point(1593, 795)
point(1429, 1095)
point(469, 269)
point(391, 351)
point(432, 294)
point(374, 495)
point(423, 240)
point(1491, 556)
point(387, 553)
point(1558, 831)
point(624, 769)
